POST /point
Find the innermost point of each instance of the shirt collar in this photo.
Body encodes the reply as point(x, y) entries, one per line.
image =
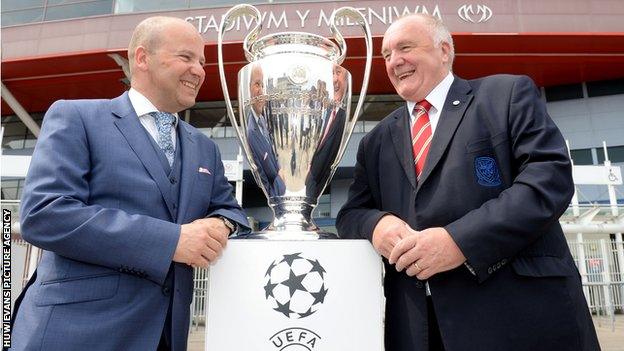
point(142, 106)
point(437, 96)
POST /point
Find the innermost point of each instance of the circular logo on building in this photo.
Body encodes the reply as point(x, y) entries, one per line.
point(295, 285)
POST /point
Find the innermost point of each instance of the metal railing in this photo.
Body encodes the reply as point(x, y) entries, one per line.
point(601, 266)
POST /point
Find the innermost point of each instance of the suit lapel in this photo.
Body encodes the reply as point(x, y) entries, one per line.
point(190, 167)
point(130, 127)
point(401, 138)
point(450, 117)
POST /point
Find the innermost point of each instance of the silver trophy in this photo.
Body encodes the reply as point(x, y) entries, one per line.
point(294, 119)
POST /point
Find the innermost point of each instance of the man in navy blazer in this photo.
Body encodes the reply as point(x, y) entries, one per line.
point(333, 128)
point(259, 138)
point(475, 257)
point(124, 205)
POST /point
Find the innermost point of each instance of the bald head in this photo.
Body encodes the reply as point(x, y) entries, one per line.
point(167, 62)
point(150, 33)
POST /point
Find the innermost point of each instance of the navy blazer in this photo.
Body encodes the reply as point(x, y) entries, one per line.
point(264, 158)
point(497, 178)
point(96, 200)
point(325, 154)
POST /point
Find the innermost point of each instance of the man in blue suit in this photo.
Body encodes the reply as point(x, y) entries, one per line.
point(460, 191)
point(259, 139)
point(125, 199)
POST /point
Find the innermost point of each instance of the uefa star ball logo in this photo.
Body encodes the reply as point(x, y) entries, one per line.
point(295, 285)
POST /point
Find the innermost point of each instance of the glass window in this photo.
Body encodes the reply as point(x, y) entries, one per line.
point(564, 92)
point(124, 6)
point(369, 125)
point(221, 3)
point(10, 5)
point(605, 87)
point(13, 142)
point(616, 154)
point(64, 2)
point(83, 9)
point(12, 189)
point(582, 157)
point(22, 16)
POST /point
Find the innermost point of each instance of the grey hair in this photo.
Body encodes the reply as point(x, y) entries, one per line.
point(438, 31)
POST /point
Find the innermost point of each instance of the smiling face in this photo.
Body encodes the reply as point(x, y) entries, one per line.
point(170, 68)
point(256, 86)
point(340, 82)
point(413, 63)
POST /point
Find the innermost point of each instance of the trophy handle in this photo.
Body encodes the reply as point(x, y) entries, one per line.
point(359, 19)
point(232, 14)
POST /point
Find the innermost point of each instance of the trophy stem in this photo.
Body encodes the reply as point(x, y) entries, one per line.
point(293, 221)
point(292, 214)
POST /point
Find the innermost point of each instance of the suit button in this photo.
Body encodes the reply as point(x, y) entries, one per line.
point(419, 284)
point(172, 180)
point(166, 291)
point(504, 261)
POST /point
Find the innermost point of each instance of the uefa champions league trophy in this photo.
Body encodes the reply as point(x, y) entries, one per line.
point(294, 119)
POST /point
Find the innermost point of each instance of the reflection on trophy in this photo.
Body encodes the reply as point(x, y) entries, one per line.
point(294, 119)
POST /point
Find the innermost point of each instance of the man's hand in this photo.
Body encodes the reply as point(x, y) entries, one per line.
point(426, 253)
point(201, 242)
point(387, 233)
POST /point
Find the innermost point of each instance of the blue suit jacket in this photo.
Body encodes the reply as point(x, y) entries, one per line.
point(497, 178)
point(265, 159)
point(96, 201)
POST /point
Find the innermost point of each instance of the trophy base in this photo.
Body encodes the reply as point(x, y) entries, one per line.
point(288, 235)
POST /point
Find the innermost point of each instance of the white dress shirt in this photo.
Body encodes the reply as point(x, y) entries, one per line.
point(143, 107)
point(436, 98)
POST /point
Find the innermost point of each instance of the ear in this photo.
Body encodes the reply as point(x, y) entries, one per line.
point(141, 57)
point(446, 51)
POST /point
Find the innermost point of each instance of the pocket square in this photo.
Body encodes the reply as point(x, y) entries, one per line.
point(204, 170)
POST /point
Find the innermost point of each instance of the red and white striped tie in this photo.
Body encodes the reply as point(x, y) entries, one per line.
point(421, 135)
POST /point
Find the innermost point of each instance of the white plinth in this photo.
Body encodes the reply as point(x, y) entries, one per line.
point(321, 295)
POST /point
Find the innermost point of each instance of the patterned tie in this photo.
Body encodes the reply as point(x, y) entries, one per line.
point(164, 123)
point(421, 135)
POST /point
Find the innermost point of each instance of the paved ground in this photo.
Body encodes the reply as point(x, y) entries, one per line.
point(611, 335)
point(611, 339)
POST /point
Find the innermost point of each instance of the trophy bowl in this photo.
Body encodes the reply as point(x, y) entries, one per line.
point(294, 119)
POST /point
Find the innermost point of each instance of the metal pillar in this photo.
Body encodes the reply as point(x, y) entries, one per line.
point(20, 111)
point(619, 246)
point(239, 180)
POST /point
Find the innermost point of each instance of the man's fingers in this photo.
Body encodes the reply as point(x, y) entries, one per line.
point(200, 262)
point(407, 259)
point(221, 237)
point(209, 254)
point(400, 248)
point(214, 245)
point(425, 274)
point(415, 268)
